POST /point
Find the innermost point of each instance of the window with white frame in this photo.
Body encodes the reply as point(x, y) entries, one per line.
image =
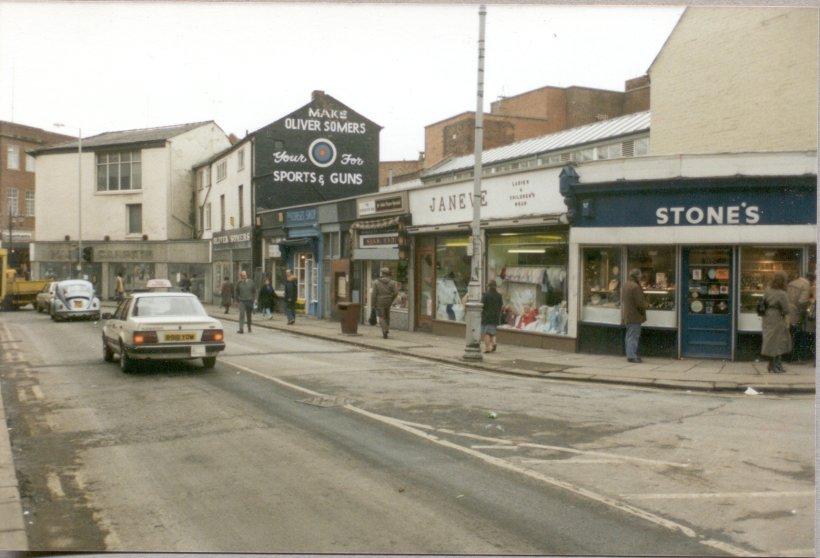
point(206, 176)
point(12, 199)
point(134, 218)
point(200, 179)
point(208, 216)
point(641, 147)
point(119, 171)
point(241, 206)
point(583, 155)
point(29, 163)
point(221, 170)
point(612, 151)
point(240, 159)
point(201, 217)
point(29, 204)
point(13, 157)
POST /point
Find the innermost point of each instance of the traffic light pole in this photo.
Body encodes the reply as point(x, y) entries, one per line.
point(80, 204)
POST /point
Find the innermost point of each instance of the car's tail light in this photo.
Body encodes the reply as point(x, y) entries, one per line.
point(145, 337)
point(213, 335)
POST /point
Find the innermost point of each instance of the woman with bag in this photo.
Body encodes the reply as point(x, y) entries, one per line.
point(267, 299)
point(490, 316)
point(777, 340)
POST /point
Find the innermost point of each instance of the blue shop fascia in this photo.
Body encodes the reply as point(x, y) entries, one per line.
point(707, 247)
point(313, 242)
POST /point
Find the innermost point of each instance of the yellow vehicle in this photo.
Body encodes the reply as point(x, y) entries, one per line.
point(16, 292)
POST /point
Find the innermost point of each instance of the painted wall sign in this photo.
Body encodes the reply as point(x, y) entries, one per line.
point(239, 238)
point(510, 196)
point(323, 151)
point(374, 240)
point(775, 205)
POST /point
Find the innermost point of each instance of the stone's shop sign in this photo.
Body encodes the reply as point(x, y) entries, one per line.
point(502, 197)
point(761, 206)
point(380, 206)
point(236, 239)
point(323, 151)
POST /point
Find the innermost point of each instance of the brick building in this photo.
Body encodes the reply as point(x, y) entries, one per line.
point(17, 185)
point(750, 80)
point(399, 171)
point(531, 114)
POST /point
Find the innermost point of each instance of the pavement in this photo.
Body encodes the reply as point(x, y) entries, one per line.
point(12, 528)
point(682, 374)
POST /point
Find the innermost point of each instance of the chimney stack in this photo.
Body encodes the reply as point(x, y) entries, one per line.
point(316, 94)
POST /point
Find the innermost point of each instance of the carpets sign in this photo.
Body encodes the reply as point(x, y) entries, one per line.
point(323, 151)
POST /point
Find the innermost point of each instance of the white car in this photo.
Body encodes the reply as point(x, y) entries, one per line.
point(161, 326)
point(44, 297)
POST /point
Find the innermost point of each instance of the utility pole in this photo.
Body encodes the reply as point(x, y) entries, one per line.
point(472, 351)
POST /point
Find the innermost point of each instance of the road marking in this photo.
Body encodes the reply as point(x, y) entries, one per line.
point(474, 436)
point(38, 393)
point(495, 446)
point(422, 426)
point(569, 461)
point(605, 455)
point(504, 464)
point(55, 486)
point(698, 495)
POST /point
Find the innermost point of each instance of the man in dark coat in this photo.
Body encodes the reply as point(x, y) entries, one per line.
point(226, 291)
point(245, 296)
point(382, 295)
point(291, 289)
point(490, 315)
point(634, 312)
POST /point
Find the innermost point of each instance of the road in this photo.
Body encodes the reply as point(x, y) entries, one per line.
point(293, 444)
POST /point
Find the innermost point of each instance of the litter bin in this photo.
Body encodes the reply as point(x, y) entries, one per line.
point(349, 314)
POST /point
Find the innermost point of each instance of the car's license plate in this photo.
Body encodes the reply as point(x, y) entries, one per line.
point(198, 351)
point(78, 304)
point(180, 336)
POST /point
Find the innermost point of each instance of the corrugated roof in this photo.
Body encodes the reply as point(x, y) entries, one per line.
point(123, 137)
point(598, 131)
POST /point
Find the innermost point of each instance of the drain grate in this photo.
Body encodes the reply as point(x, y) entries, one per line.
point(321, 401)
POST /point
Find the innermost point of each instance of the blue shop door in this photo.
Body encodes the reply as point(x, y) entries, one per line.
point(706, 312)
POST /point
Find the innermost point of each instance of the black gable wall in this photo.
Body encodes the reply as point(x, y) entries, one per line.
point(322, 151)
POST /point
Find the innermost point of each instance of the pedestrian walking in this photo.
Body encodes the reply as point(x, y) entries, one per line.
point(490, 316)
point(267, 299)
point(776, 337)
point(119, 288)
point(810, 323)
point(798, 292)
point(226, 290)
point(245, 296)
point(634, 312)
point(291, 289)
point(185, 283)
point(382, 295)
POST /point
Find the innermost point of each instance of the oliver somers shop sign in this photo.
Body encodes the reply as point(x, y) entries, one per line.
point(236, 239)
point(502, 197)
point(323, 151)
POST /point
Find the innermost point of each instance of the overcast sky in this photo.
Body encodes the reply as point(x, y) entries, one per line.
point(104, 66)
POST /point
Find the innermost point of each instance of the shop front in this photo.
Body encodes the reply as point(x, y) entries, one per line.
point(136, 262)
point(525, 250)
point(706, 248)
point(380, 241)
point(231, 254)
point(335, 220)
point(301, 252)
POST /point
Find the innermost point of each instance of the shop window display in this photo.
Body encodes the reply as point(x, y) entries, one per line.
point(708, 284)
point(531, 272)
point(657, 265)
point(602, 277)
point(757, 268)
point(452, 277)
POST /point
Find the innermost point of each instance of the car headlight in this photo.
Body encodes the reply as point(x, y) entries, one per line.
point(95, 303)
point(59, 304)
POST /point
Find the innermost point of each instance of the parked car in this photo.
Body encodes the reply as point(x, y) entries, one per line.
point(44, 297)
point(74, 298)
point(161, 326)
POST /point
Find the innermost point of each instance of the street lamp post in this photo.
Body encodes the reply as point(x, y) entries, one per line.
point(472, 351)
point(79, 198)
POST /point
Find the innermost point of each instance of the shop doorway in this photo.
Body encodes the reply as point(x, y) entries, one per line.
point(307, 280)
point(425, 264)
point(706, 315)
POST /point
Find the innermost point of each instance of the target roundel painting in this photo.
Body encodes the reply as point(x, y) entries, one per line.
point(320, 152)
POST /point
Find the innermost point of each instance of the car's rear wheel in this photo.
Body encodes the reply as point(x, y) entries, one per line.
point(208, 362)
point(126, 363)
point(108, 354)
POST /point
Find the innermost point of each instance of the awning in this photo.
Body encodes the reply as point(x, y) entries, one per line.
point(297, 242)
point(371, 224)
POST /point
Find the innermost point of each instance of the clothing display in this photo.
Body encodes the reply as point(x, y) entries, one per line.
point(449, 306)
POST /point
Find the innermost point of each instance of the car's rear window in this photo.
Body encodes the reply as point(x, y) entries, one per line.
point(77, 289)
point(156, 306)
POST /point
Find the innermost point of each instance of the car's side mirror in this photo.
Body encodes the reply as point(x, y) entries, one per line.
point(107, 315)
